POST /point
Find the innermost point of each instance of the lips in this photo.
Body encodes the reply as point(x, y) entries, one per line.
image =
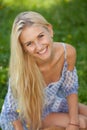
point(42, 51)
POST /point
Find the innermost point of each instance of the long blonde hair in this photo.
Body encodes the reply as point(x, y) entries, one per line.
point(25, 77)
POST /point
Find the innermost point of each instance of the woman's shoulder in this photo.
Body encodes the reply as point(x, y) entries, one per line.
point(69, 51)
point(71, 56)
point(68, 48)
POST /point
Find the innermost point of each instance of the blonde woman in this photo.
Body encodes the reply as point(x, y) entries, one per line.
point(43, 83)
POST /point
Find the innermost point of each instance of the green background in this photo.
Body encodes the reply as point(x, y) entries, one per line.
point(69, 20)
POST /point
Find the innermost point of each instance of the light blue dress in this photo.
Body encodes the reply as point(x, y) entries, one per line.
point(55, 98)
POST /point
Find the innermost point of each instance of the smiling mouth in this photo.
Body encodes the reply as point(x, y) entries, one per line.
point(43, 51)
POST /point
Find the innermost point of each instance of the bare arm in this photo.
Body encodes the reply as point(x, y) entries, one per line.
point(72, 98)
point(73, 108)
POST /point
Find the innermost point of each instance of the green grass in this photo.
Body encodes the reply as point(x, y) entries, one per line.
point(69, 20)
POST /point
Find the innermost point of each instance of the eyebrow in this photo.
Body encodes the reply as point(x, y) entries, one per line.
point(32, 40)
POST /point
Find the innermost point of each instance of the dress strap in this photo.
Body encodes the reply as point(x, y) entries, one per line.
point(64, 45)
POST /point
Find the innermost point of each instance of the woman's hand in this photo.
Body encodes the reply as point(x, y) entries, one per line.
point(72, 127)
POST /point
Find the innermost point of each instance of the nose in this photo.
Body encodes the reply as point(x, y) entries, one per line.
point(38, 45)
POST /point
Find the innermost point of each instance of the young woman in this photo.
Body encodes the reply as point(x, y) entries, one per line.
point(43, 83)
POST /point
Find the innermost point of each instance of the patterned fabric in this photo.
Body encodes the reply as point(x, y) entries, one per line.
point(55, 99)
point(56, 93)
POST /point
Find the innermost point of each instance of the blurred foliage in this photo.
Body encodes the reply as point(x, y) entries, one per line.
point(69, 20)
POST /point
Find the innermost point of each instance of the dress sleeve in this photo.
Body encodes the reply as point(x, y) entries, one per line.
point(70, 84)
point(9, 109)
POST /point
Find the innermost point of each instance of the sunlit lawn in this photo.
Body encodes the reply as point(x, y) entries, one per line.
point(69, 20)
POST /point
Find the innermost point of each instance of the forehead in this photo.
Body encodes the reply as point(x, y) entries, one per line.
point(29, 32)
point(33, 28)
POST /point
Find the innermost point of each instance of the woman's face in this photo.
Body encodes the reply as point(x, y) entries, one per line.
point(37, 41)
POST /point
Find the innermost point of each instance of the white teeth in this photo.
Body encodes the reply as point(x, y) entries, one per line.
point(42, 52)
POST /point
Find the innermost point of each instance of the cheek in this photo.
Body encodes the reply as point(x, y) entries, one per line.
point(47, 40)
point(30, 50)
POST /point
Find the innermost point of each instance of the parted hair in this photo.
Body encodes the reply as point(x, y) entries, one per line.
point(26, 79)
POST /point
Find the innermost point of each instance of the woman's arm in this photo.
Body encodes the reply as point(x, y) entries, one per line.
point(73, 97)
point(73, 108)
point(73, 112)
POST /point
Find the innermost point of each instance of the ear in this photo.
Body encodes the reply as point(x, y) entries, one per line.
point(50, 29)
